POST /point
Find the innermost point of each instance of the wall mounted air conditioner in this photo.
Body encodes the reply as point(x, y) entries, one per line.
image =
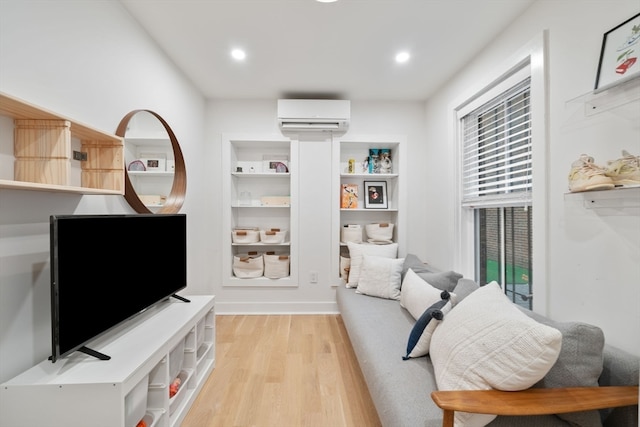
point(319, 115)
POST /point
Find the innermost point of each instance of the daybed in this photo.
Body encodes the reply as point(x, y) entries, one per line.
point(379, 328)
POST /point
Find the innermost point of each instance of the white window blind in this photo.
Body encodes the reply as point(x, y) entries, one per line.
point(497, 167)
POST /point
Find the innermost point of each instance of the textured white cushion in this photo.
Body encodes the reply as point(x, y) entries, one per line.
point(486, 342)
point(416, 295)
point(380, 277)
point(357, 250)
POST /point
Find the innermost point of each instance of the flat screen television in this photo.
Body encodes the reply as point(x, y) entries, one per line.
point(106, 269)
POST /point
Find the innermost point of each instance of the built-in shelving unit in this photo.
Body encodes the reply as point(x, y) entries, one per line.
point(354, 150)
point(54, 153)
point(259, 192)
point(172, 340)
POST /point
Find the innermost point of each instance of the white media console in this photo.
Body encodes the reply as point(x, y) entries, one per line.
point(172, 340)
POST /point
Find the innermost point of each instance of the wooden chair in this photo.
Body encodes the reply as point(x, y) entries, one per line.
point(534, 401)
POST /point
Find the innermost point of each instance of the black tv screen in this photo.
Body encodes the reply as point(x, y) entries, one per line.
point(106, 269)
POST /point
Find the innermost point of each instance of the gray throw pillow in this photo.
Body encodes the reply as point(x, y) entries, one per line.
point(464, 288)
point(579, 364)
point(444, 280)
point(411, 261)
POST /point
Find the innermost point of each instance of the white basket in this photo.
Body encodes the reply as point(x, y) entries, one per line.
point(382, 232)
point(351, 233)
point(248, 266)
point(245, 236)
point(273, 236)
point(345, 265)
point(276, 266)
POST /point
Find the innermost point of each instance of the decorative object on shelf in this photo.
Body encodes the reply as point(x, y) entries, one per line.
point(380, 160)
point(375, 195)
point(275, 201)
point(137, 166)
point(349, 196)
point(277, 163)
point(619, 54)
point(154, 161)
point(352, 166)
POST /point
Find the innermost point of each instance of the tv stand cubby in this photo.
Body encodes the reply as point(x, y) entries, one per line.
point(175, 339)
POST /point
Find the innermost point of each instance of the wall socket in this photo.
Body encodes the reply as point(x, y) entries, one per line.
point(313, 277)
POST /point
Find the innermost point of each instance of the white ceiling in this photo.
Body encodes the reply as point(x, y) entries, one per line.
point(307, 49)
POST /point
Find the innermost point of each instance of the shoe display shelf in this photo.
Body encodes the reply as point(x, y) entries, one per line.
point(617, 201)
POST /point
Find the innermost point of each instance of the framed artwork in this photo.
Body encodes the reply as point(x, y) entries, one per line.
point(375, 195)
point(619, 54)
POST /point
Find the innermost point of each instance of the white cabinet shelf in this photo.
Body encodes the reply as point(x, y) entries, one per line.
point(80, 390)
point(356, 149)
point(256, 194)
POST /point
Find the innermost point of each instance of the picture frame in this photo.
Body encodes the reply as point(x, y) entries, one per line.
point(375, 195)
point(619, 55)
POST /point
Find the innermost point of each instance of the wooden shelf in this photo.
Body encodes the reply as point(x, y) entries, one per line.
point(41, 131)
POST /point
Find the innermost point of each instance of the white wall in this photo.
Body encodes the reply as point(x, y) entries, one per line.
point(91, 62)
point(593, 259)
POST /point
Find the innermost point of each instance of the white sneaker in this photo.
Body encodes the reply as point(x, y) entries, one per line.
point(625, 170)
point(586, 175)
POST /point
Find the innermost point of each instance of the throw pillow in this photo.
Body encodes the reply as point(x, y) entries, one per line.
point(420, 336)
point(579, 364)
point(486, 342)
point(444, 280)
point(357, 250)
point(412, 261)
point(464, 288)
point(416, 295)
point(380, 277)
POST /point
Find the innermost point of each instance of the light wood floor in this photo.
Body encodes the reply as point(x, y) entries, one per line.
point(283, 371)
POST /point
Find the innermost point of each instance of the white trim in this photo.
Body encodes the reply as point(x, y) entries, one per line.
point(534, 57)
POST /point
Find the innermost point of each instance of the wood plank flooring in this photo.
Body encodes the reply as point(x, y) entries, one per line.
point(283, 371)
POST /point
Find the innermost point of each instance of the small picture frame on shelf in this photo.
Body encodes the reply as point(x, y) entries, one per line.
point(375, 195)
point(154, 161)
point(619, 54)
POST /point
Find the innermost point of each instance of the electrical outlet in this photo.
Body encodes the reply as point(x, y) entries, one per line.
point(313, 277)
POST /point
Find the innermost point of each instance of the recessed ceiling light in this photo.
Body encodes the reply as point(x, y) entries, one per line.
point(238, 54)
point(402, 57)
point(326, 1)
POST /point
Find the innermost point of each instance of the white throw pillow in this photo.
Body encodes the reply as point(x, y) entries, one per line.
point(416, 295)
point(486, 342)
point(357, 250)
point(380, 277)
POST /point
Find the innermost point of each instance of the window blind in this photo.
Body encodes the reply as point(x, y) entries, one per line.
point(497, 166)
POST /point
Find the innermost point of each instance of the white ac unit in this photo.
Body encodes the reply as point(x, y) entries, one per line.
point(319, 115)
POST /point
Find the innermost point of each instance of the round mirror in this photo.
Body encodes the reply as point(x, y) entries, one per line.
point(155, 174)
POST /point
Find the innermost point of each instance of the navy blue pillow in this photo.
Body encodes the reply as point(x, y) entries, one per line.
point(433, 312)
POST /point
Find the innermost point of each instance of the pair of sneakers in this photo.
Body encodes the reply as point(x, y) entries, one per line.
point(585, 175)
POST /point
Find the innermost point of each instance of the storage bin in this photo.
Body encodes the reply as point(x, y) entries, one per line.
point(345, 265)
point(381, 232)
point(351, 233)
point(248, 265)
point(176, 358)
point(245, 236)
point(276, 266)
point(274, 236)
point(135, 403)
point(174, 402)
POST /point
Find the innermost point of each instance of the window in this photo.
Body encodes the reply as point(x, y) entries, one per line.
point(497, 185)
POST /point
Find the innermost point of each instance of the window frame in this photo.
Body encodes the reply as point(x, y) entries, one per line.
point(532, 58)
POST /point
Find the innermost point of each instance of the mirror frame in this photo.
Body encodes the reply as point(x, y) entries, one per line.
point(175, 199)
